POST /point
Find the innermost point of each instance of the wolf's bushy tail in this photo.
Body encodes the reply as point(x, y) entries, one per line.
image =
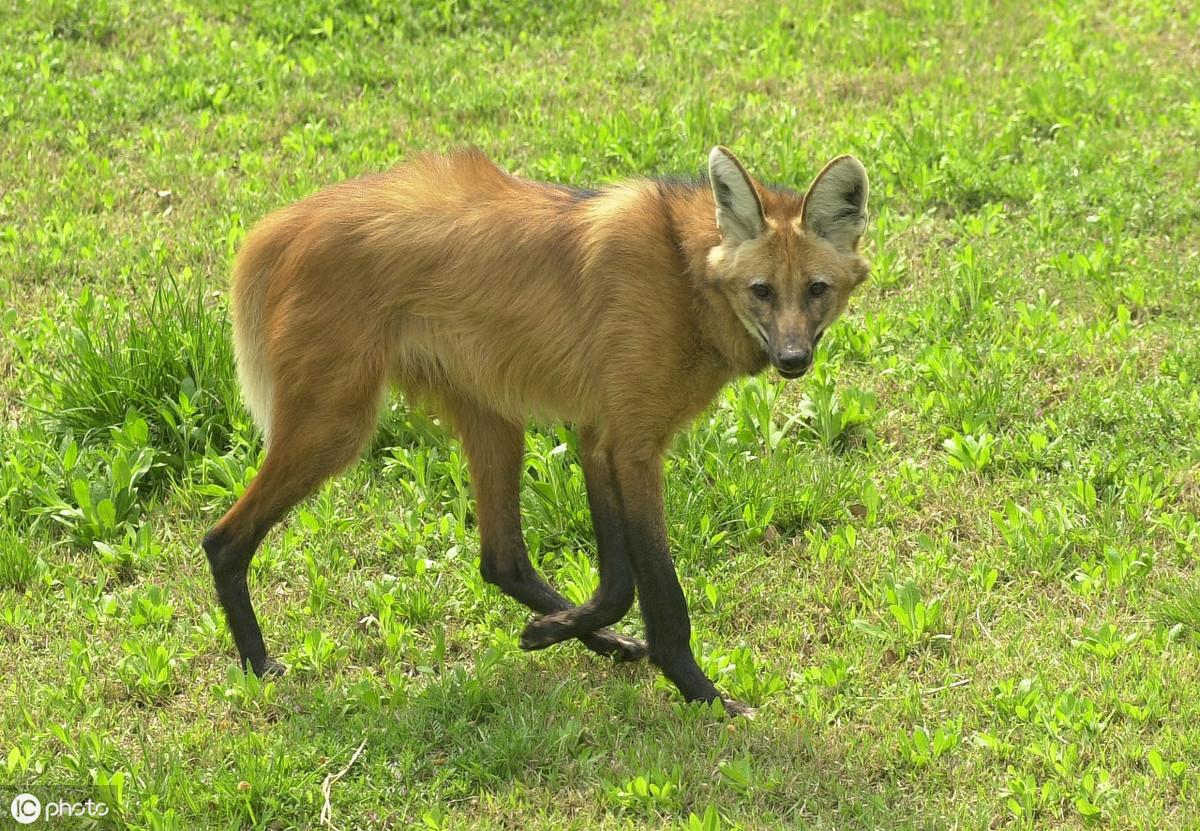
point(259, 255)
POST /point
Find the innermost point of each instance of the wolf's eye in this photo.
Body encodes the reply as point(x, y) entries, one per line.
point(762, 291)
point(817, 289)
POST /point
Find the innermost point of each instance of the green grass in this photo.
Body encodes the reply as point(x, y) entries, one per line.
point(956, 567)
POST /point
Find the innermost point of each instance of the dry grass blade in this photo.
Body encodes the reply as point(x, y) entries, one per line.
point(331, 780)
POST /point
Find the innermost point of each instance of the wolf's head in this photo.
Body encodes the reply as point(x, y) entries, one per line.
point(787, 266)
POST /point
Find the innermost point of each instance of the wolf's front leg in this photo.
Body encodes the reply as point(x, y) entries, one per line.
point(615, 594)
point(495, 448)
point(664, 608)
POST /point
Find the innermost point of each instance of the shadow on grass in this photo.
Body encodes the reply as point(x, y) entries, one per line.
point(565, 734)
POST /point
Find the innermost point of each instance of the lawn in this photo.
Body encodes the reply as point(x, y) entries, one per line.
point(956, 567)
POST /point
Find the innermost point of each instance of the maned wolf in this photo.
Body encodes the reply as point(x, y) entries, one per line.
point(622, 310)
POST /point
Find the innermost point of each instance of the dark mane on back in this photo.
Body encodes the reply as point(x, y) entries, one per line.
point(574, 193)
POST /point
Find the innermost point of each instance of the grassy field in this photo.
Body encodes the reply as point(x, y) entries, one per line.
point(956, 567)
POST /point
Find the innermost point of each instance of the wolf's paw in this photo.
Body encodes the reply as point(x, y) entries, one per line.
point(270, 669)
point(618, 647)
point(736, 708)
point(554, 628)
point(547, 630)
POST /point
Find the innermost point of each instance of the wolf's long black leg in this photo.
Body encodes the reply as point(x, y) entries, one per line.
point(495, 448)
point(615, 593)
point(639, 478)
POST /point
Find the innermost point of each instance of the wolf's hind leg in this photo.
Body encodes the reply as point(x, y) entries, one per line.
point(318, 427)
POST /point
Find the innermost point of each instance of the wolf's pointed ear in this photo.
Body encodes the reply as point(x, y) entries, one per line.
point(739, 213)
point(835, 206)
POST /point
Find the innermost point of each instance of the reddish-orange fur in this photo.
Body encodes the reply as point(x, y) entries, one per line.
point(498, 299)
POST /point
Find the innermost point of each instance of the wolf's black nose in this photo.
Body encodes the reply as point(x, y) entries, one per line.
point(795, 362)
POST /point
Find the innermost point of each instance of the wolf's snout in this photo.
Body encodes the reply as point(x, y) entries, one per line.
point(792, 363)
